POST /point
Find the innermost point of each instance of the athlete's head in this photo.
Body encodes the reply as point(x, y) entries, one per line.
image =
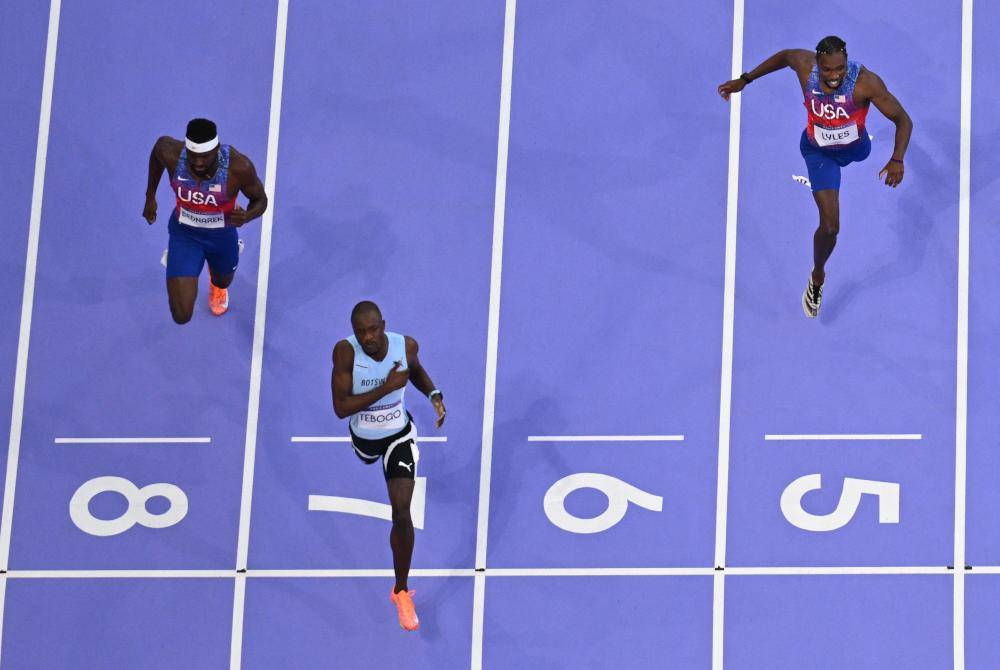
point(202, 141)
point(831, 59)
point(369, 327)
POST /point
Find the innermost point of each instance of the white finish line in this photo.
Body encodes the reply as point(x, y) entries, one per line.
point(387, 573)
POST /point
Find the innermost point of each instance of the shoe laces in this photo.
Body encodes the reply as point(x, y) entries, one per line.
point(815, 292)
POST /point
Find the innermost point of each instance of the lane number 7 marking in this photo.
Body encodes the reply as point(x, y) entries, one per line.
point(362, 507)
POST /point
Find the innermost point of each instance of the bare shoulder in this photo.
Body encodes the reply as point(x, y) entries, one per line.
point(167, 143)
point(411, 346)
point(168, 150)
point(801, 60)
point(869, 80)
point(869, 85)
point(241, 165)
point(343, 355)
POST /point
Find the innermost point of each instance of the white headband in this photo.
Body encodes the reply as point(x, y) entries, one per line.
point(202, 147)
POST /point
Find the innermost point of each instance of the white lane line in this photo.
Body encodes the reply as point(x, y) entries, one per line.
point(728, 308)
point(718, 617)
point(605, 438)
point(322, 439)
point(844, 436)
point(493, 331)
point(962, 348)
point(260, 314)
point(478, 615)
point(132, 440)
point(239, 607)
point(28, 296)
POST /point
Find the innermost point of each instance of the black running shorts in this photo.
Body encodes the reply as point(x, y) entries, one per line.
point(398, 452)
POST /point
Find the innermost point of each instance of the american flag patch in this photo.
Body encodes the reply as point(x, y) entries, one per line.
point(215, 188)
point(840, 98)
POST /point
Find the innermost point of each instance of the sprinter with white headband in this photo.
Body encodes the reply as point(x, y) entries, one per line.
point(205, 177)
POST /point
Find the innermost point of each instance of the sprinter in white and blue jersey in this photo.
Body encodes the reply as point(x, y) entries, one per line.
point(370, 371)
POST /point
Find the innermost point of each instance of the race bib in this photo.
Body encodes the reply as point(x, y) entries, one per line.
point(382, 417)
point(826, 137)
point(213, 220)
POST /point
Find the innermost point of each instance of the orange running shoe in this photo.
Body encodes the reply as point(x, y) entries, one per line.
point(218, 299)
point(404, 605)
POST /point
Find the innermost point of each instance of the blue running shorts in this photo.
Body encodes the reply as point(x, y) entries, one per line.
point(824, 164)
point(190, 247)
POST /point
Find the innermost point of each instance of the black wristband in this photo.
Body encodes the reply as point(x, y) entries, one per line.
point(896, 160)
point(746, 78)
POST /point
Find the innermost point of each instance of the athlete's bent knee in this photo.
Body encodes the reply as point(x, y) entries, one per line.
point(222, 282)
point(829, 226)
point(181, 316)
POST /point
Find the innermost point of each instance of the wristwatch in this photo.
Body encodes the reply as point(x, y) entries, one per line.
point(435, 392)
point(746, 78)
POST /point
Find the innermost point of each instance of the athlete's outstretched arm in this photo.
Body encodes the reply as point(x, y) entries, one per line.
point(793, 58)
point(887, 104)
point(422, 380)
point(242, 168)
point(345, 403)
point(157, 164)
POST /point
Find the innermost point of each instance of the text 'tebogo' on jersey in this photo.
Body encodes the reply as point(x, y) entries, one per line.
point(388, 415)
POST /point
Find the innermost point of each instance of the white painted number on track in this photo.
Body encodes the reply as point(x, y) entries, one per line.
point(619, 495)
point(135, 513)
point(850, 497)
point(373, 509)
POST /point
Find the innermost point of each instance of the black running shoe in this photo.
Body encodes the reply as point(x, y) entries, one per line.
point(811, 299)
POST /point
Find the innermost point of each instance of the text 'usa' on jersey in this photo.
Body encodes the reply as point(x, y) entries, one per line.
point(834, 119)
point(202, 204)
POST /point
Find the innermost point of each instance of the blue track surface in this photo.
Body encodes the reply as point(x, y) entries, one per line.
point(610, 323)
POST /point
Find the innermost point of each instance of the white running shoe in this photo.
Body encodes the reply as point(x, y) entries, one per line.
point(812, 297)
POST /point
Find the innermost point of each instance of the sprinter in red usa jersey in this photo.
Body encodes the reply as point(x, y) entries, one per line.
point(205, 177)
point(838, 93)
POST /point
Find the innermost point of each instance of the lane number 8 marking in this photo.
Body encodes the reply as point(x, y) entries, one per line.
point(619, 494)
point(135, 513)
point(850, 497)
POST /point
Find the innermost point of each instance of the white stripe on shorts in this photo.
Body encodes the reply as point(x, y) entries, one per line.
point(410, 435)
